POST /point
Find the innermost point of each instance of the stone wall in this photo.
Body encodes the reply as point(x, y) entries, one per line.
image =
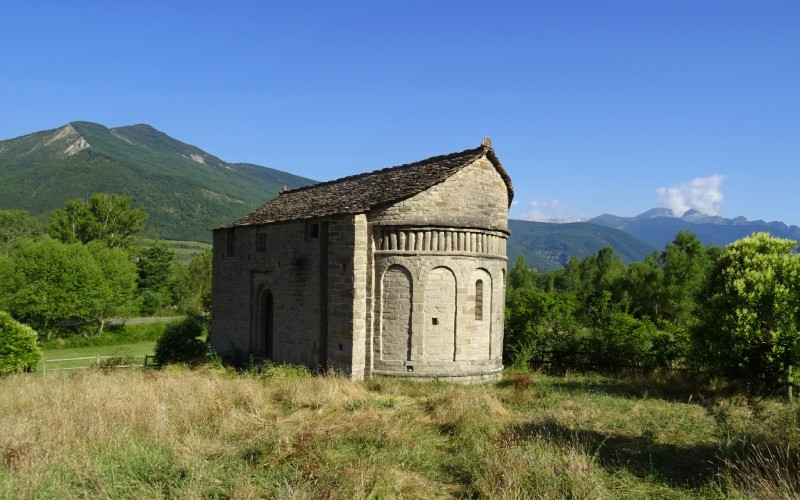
point(446, 339)
point(395, 310)
point(475, 197)
point(347, 295)
point(439, 309)
point(318, 289)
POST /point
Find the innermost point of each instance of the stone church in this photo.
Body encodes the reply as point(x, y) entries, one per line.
point(399, 272)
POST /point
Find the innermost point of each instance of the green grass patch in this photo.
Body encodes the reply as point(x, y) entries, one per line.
point(111, 336)
point(122, 351)
point(184, 250)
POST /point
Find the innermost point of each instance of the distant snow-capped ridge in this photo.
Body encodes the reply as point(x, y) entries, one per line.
point(559, 220)
point(692, 217)
point(698, 217)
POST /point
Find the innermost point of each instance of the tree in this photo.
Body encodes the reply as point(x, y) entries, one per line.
point(601, 272)
point(120, 275)
point(520, 276)
point(686, 264)
point(617, 338)
point(749, 315)
point(645, 286)
point(156, 277)
point(568, 279)
point(108, 218)
point(536, 321)
point(195, 289)
point(16, 225)
point(19, 351)
point(55, 285)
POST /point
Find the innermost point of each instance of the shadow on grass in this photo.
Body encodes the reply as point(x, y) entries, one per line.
point(668, 386)
point(677, 466)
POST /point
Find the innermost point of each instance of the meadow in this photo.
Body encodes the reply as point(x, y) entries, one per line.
point(281, 432)
point(127, 342)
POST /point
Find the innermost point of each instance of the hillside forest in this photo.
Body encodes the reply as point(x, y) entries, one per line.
point(715, 312)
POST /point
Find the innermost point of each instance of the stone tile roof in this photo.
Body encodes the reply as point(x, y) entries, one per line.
point(363, 192)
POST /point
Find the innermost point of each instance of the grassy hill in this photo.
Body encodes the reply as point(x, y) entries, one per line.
point(186, 191)
point(547, 247)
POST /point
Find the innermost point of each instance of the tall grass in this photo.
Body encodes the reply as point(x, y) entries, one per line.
point(284, 433)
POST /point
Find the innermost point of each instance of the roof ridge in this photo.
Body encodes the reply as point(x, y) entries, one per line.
point(432, 159)
point(366, 191)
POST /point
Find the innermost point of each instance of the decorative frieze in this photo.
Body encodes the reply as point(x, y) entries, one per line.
point(440, 240)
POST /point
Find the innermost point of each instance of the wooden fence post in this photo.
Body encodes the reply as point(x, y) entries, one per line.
point(790, 384)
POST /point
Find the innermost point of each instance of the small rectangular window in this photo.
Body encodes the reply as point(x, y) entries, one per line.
point(313, 230)
point(479, 300)
point(261, 242)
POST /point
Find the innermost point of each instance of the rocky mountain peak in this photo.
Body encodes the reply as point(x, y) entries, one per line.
point(655, 212)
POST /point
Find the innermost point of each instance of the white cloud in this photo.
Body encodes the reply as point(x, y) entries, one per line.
point(703, 194)
point(543, 210)
point(549, 211)
point(535, 215)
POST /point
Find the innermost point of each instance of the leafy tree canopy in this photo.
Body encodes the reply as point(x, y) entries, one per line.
point(750, 311)
point(52, 285)
point(157, 283)
point(16, 225)
point(108, 218)
point(195, 285)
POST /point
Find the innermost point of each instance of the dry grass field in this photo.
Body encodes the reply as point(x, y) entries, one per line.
point(212, 433)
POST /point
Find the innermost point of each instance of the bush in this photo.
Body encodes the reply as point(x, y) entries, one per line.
point(180, 344)
point(18, 349)
point(749, 316)
point(622, 340)
point(153, 302)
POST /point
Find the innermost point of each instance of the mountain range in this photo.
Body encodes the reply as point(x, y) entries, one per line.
point(658, 226)
point(187, 192)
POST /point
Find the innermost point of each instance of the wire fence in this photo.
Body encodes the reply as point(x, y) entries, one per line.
point(83, 363)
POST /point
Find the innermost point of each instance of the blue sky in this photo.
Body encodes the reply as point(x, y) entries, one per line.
point(592, 106)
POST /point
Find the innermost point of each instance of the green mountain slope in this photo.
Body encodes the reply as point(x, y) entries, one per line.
point(549, 246)
point(186, 191)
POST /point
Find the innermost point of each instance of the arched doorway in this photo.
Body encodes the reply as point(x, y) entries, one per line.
point(266, 324)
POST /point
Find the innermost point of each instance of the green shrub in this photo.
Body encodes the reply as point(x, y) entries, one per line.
point(621, 340)
point(180, 344)
point(749, 316)
point(18, 349)
point(153, 301)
